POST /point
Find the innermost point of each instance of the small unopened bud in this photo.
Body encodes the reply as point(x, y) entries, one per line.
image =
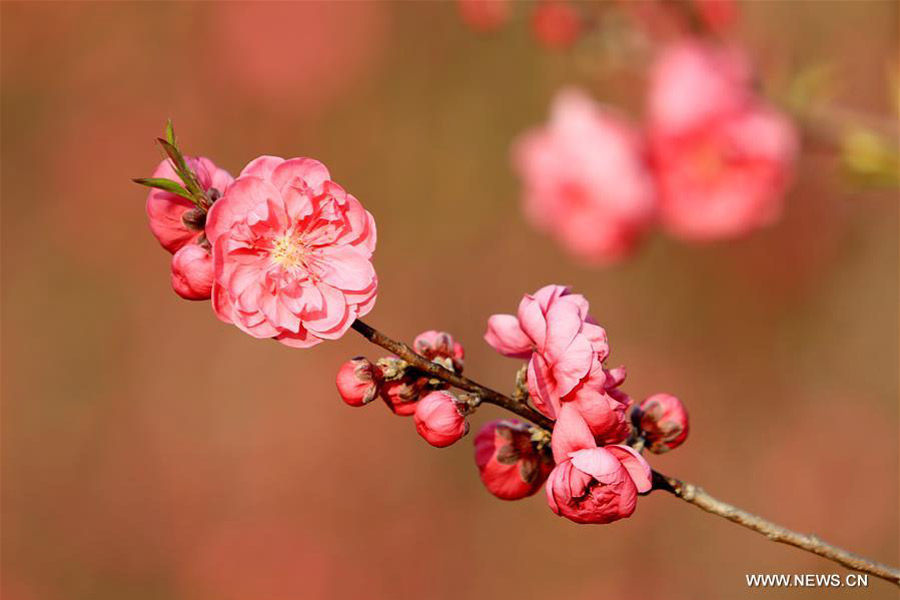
point(358, 381)
point(663, 422)
point(192, 273)
point(402, 394)
point(194, 218)
point(439, 419)
point(440, 347)
point(509, 460)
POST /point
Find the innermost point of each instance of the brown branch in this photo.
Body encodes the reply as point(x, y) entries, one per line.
point(421, 363)
point(686, 491)
point(695, 495)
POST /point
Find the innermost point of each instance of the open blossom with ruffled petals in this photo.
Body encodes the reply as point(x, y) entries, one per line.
point(440, 420)
point(592, 484)
point(292, 253)
point(586, 179)
point(358, 381)
point(563, 344)
point(723, 157)
point(663, 422)
point(192, 272)
point(509, 463)
point(440, 347)
point(166, 211)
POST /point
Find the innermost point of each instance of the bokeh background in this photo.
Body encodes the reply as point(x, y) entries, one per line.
point(151, 452)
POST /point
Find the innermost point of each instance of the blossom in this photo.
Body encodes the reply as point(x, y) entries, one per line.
point(292, 253)
point(192, 272)
point(439, 420)
point(592, 484)
point(509, 463)
point(586, 181)
point(358, 381)
point(556, 24)
point(166, 211)
point(484, 15)
point(663, 422)
point(721, 155)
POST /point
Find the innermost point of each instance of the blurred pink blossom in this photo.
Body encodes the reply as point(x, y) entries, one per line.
point(585, 179)
point(556, 24)
point(723, 158)
point(510, 465)
point(592, 484)
point(292, 253)
point(484, 15)
point(439, 419)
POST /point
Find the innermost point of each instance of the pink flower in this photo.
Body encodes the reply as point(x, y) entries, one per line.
point(439, 419)
point(484, 15)
point(192, 272)
point(554, 331)
point(401, 395)
point(166, 211)
point(510, 465)
point(440, 347)
point(556, 24)
point(723, 158)
point(663, 421)
point(591, 484)
point(292, 253)
point(358, 381)
point(586, 180)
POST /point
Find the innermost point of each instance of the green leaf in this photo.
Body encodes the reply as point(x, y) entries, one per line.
point(170, 133)
point(181, 168)
point(167, 185)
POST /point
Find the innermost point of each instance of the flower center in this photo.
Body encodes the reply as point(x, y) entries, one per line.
point(288, 252)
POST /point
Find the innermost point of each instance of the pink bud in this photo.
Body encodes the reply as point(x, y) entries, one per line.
point(401, 395)
point(192, 272)
point(440, 346)
point(358, 381)
point(663, 421)
point(510, 465)
point(439, 420)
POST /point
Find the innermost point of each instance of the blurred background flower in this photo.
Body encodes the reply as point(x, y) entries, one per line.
point(141, 461)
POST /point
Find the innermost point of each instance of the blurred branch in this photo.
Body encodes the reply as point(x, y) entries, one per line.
point(686, 491)
point(695, 495)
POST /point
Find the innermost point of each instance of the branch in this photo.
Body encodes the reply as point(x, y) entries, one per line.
point(421, 363)
point(686, 491)
point(695, 495)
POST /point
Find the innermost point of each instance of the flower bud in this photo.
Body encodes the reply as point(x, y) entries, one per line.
point(358, 381)
point(439, 420)
point(663, 422)
point(192, 272)
point(509, 463)
point(440, 347)
point(401, 395)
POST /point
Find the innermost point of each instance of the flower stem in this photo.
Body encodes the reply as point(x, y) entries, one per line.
point(688, 492)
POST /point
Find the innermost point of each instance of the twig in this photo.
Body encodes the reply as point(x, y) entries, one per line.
point(695, 495)
point(421, 363)
point(686, 491)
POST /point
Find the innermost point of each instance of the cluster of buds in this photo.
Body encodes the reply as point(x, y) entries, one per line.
point(439, 416)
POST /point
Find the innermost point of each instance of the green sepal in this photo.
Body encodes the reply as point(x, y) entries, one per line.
point(167, 185)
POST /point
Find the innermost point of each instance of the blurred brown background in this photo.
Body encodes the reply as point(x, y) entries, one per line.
point(151, 452)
